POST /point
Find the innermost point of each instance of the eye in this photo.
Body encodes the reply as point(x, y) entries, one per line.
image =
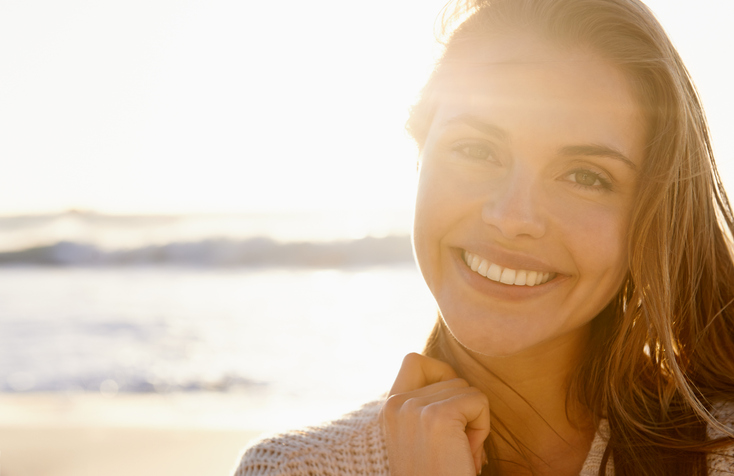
point(585, 177)
point(474, 151)
point(590, 180)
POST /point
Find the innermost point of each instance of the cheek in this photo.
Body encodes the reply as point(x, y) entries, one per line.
point(426, 225)
point(597, 240)
point(439, 206)
point(445, 196)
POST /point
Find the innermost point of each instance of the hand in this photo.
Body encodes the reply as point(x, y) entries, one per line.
point(435, 423)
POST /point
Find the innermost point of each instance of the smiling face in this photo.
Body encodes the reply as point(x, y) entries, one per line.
point(527, 180)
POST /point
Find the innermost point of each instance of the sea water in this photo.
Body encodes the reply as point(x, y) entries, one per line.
point(282, 313)
point(276, 336)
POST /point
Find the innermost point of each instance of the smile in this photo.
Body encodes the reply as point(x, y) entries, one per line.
point(494, 272)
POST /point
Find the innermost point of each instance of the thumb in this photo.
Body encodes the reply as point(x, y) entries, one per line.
point(418, 371)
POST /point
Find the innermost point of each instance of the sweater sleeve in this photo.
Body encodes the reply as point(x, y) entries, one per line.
point(352, 445)
point(721, 462)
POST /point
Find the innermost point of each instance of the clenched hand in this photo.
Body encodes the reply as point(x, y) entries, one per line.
point(435, 423)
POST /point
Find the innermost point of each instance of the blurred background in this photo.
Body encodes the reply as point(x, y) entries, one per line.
point(205, 210)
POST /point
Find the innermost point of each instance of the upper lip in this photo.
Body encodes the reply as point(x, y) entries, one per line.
point(511, 259)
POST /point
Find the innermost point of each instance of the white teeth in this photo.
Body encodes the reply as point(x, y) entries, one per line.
point(495, 272)
point(475, 263)
point(508, 276)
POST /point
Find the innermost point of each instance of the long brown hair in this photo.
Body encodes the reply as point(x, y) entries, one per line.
point(662, 353)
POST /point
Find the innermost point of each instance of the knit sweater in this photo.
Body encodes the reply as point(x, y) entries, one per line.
point(355, 445)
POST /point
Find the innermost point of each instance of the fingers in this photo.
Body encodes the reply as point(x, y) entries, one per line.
point(419, 371)
point(477, 430)
point(417, 400)
point(440, 432)
point(459, 409)
point(435, 423)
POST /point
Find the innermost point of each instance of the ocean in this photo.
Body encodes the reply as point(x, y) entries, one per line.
point(121, 305)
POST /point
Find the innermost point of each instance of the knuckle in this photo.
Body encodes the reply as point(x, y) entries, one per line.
point(432, 414)
point(392, 406)
point(411, 406)
point(477, 396)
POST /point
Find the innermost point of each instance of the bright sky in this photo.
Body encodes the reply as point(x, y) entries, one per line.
point(149, 106)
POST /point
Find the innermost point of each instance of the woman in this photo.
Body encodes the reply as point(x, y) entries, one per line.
point(573, 229)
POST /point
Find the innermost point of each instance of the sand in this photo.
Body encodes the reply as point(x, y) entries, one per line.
point(180, 434)
point(80, 435)
point(113, 451)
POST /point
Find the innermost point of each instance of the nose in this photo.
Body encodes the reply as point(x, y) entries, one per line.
point(514, 207)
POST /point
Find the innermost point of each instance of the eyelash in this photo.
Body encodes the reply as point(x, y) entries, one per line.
point(463, 147)
point(604, 183)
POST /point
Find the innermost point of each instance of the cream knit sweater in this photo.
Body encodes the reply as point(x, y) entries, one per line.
point(354, 445)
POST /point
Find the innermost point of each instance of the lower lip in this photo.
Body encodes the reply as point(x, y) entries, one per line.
point(501, 290)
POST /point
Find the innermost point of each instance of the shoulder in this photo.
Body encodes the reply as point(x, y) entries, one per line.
point(351, 445)
point(721, 462)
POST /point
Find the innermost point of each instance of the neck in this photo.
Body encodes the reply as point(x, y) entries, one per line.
point(528, 395)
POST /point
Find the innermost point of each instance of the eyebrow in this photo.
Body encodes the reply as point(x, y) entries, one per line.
point(594, 150)
point(478, 124)
point(597, 151)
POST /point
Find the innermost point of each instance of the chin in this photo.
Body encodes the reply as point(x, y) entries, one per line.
point(507, 336)
point(492, 343)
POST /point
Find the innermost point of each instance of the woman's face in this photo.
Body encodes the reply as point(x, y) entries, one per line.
point(526, 185)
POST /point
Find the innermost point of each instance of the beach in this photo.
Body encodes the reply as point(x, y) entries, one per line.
point(182, 434)
point(172, 368)
point(87, 451)
point(80, 435)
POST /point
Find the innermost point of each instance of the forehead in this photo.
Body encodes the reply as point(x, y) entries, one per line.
point(523, 82)
point(528, 70)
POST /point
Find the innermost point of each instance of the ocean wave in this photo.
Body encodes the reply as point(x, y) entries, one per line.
point(26, 382)
point(252, 252)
